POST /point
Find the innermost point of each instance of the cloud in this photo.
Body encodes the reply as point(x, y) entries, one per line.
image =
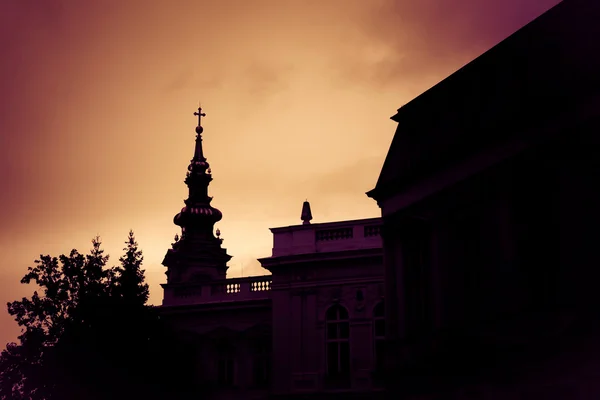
point(350, 179)
point(201, 79)
point(429, 39)
point(247, 266)
point(261, 79)
point(179, 81)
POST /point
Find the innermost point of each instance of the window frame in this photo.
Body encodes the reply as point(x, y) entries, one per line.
point(378, 337)
point(339, 322)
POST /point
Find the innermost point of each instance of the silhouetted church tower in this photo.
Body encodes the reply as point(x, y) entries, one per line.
point(197, 255)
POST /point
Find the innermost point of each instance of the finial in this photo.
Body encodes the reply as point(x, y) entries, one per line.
point(176, 238)
point(199, 114)
point(306, 215)
point(218, 232)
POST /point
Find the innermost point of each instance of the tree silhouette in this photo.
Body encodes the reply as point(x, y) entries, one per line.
point(69, 285)
point(130, 284)
point(90, 334)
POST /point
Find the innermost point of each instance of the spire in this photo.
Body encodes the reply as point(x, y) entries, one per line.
point(198, 217)
point(197, 254)
point(306, 215)
point(199, 129)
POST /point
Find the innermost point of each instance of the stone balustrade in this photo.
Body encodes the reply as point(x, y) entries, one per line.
point(327, 237)
point(228, 290)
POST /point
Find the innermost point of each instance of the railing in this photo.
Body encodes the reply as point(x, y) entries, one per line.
point(240, 284)
point(372, 230)
point(229, 290)
point(327, 237)
point(357, 236)
point(334, 234)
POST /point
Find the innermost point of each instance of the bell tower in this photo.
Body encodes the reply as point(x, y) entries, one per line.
point(197, 255)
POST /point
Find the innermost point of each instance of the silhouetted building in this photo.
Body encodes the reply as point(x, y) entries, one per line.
point(314, 327)
point(327, 307)
point(490, 204)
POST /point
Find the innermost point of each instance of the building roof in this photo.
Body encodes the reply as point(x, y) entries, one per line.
point(545, 67)
point(326, 225)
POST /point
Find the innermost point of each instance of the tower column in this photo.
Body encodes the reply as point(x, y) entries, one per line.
point(198, 255)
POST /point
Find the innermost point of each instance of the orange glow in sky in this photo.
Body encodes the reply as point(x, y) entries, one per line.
point(96, 124)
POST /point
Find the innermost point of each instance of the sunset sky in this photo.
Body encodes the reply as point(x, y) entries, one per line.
point(96, 124)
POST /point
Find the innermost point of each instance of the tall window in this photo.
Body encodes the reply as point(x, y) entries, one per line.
point(379, 337)
point(338, 343)
point(262, 362)
point(225, 365)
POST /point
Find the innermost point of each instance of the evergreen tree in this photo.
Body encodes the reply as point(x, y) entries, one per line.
point(130, 278)
point(144, 344)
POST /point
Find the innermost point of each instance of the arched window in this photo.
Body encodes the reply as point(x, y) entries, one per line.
point(379, 337)
point(338, 343)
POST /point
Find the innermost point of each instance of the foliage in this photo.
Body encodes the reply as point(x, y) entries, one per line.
point(90, 333)
point(130, 284)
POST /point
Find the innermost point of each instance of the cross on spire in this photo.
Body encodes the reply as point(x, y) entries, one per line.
point(200, 114)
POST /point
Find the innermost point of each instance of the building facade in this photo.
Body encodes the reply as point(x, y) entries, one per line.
point(327, 305)
point(490, 214)
point(313, 327)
